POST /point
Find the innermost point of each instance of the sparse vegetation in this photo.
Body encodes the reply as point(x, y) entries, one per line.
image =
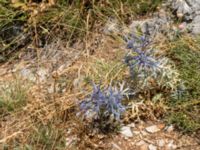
point(162, 84)
point(184, 122)
point(188, 60)
point(43, 22)
point(13, 96)
point(185, 107)
point(106, 71)
point(146, 6)
point(48, 137)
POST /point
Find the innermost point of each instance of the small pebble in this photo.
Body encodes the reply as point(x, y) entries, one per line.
point(140, 143)
point(170, 128)
point(143, 147)
point(152, 129)
point(161, 143)
point(126, 131)
point(152, 147)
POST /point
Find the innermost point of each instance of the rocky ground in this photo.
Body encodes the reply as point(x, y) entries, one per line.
point(54, 66)
point(173, 17)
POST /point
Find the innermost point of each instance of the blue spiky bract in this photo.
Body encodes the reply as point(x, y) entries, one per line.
point(106, 102)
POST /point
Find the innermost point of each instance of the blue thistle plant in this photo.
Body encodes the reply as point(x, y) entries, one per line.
point(136, 42)
point(145, 66)
point(104, 105)
point(143, 62)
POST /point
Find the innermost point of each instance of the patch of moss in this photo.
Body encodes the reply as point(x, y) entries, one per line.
point(184, 122)
point(185, 52)
point(188, 64)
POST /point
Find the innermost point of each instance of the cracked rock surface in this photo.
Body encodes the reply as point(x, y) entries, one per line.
point(189, 12)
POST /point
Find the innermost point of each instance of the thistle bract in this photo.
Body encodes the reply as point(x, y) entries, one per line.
point(143, 62)
point(146, 67)
point(104, 103)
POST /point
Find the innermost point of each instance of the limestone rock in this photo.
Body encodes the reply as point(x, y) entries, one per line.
point(126, 131)
point(152, 129)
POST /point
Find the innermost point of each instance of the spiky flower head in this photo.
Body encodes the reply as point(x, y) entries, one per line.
point(104, 103)
point(147, 67)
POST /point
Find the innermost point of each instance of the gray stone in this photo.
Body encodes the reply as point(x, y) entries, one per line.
point(152, 129)
point(126, 131)
point(171, 145)
point(170, 128)
point(194, 27)
point(115, 146)
point(160, 22)
point(161, 143)
point(28, 74)
point(132, 125)
point(152, 147)
point(190, 12)
point(42, 74)
point(181, 7)
point(140, 143)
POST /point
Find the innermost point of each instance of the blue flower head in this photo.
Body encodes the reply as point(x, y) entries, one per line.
point(141, 59)
point(104, 103)
point(136, 42)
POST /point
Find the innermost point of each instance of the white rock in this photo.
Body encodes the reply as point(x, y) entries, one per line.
point(28, 74)
point(181, 6)
point(70, 140)
point(42, 74)
point(132, 125)
point(144, 133)
point(152, 129)
point(140, 143)
point(115, 146)
point(144, 147)
point(170, 128)
point(161, 143)
point(196, 25)
point(152, 147)
point(126, 131)
point(136, 132)
point(171, 145)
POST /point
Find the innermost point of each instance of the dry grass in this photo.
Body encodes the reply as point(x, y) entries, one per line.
point(43, 122)
point(44, 108)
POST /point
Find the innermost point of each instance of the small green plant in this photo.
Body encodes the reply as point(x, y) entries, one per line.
point(184, 122)
point(48, 137)
point(13, 95)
